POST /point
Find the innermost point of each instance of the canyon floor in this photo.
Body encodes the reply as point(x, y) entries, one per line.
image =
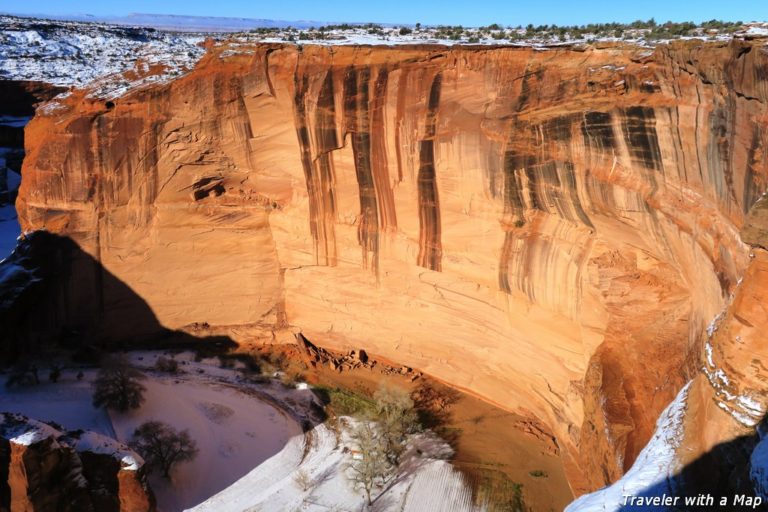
point(234, 429)
point(251, 444)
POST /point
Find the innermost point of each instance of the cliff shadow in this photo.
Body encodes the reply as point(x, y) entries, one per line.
point(718, 480)
point(55, 295)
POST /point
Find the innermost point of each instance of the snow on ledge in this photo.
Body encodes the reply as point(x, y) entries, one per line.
point(24, 431)
point(653, 468)
point(321, 456)
point(103, 445)
point(19, 429)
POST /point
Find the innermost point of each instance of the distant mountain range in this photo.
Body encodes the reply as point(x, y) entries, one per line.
point(186, 23)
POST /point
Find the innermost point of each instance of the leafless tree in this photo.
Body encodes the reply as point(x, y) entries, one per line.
point(117, 386)
point(370, 466)
point(162, 446)
point(396, 418)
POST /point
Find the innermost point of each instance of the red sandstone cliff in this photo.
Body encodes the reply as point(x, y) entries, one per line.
point(550, 230)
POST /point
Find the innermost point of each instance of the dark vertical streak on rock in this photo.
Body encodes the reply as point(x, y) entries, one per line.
point(320, 220)
point(514, 207)
point(572, 196)
point(536, 181)
point(597, 128)
point(678, 140)
point(402, 95)
point(326, 141)
point(640, 134)
point(506, 254)
point(384, 195)
point(430, 244)
point(751, 192)
point(325, 117)
point(721, 128)
point(356, 98)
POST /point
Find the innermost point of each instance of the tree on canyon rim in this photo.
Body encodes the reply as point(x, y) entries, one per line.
point(117, 386)
point(370, 466)
point(380, 439)
point(162, 446)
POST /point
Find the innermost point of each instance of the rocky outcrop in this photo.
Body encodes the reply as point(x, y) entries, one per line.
point(549, 230)
point(17, 105)
point(43, 469)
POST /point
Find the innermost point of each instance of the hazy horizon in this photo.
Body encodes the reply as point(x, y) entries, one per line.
point(481, 12)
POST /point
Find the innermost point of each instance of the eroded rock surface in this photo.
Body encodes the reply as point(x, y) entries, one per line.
point(549, 230)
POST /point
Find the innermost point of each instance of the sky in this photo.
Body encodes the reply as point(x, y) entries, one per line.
point(431, 12)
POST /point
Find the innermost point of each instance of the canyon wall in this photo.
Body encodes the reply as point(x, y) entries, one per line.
point(551, 230)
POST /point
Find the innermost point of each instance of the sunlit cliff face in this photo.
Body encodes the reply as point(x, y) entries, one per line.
point(550, 230)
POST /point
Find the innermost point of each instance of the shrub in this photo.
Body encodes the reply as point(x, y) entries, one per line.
point(302, 480)
point(166, 364)
point(23, 374)
point(55, 373)
point(344, 403)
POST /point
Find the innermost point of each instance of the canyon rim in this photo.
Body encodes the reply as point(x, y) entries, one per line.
point(576, 234)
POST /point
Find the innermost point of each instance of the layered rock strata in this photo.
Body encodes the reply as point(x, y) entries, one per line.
point(550, 230)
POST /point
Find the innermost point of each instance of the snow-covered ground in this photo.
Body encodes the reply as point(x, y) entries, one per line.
point(235, 428)
point(73, 54)
point(234, 432)
point(425, 481)
point(78, 53)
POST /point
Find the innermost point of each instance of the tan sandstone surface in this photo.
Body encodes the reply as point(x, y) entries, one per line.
point(551, 231)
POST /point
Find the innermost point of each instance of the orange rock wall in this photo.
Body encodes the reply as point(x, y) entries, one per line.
point(550, 230)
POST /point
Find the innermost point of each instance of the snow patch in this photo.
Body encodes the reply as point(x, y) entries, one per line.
point(25, 431)
point(71, 54)
point(653, 468)
point(97, 443)
point(742, 407)
point(321, 456)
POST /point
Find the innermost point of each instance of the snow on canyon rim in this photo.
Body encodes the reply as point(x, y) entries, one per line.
point(235, 431)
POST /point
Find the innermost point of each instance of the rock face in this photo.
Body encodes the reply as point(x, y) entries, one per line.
point(42, 469)
point(550, 230)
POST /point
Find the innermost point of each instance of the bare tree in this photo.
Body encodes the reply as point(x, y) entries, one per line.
point(162, 446)
point(396, 417)
point(370, 465)
point(117, 386)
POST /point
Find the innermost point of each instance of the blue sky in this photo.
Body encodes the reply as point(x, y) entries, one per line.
point(467, 12)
